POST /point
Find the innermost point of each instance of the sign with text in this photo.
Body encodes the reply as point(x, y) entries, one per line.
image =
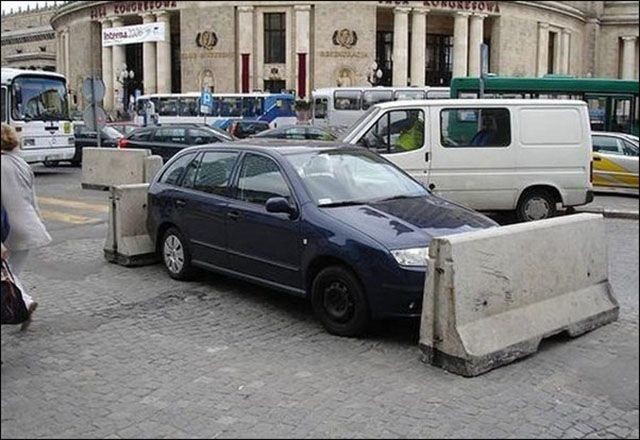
point(140, 33)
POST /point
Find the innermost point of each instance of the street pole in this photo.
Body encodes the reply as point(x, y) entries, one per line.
point(94, 103)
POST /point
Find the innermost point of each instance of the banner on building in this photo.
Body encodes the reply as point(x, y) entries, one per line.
point(140, 33)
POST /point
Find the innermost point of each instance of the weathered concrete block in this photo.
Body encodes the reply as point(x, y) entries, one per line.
point(106, 167)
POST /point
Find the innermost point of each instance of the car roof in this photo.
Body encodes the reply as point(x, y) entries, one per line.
point(282, 147)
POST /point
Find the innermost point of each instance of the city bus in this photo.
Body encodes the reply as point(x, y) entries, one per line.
point(613, 103)
point(339, 107)
point(274, 108)
point(36, 104)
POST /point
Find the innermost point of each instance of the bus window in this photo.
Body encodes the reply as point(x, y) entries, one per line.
point(140, 106)
point(371, 97)
point(168, 107)
point(597, 109)
point(469, 95)
point(320, 108)
point(409, 94)
point(251, 107)
point(230, 106)
point(3, 105)
point(189, 106)
point(437, 94)
point(346, 100)
point(621, 116)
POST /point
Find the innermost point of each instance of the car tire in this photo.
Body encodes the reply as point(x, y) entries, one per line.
point(51, 163)
point(536, 205)
point(339, 302)
point(175, 255)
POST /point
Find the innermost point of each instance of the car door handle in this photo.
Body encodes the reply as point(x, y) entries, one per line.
point(233, 215)
point(181, 203)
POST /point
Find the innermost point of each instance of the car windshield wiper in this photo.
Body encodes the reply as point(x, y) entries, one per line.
point(399, 197)
point(342, 203)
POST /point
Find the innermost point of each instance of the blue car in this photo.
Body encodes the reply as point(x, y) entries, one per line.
point(337, 224)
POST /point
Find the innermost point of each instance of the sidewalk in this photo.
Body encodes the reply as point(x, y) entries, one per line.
point(613, 205)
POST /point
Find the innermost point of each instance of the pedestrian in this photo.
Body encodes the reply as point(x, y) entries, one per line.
point(19, 199)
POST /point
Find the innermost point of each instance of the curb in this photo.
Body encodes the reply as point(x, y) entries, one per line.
point(613, 213)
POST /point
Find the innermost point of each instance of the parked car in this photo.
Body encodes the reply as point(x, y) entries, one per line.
point(242, 129)
point(528, 156)
point(615, 160)
point(167, 140)
point(337, 224)
point(301, 131)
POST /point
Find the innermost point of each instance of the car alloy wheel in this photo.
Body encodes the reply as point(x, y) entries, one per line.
point(173, 253)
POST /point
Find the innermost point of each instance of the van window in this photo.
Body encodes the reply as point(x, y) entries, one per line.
point(475, 127)
point(551, 126)
point(320, 108)
point(396, 131)
point(346, 100)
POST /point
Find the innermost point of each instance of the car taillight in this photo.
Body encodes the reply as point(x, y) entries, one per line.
point(122, 143)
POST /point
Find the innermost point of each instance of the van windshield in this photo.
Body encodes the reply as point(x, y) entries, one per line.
point(372, 112)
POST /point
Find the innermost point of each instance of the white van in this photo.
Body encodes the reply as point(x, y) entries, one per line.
point(531, 156)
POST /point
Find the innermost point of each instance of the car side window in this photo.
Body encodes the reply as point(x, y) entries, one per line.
point(607, 145)
point(630, 149)
point(261, 179)
point(142, 135)
point(296, 133)
point(214, 171)
point(201, 137)
point(174, 172)
point(171, 135)
point(396, 131)
point(189, 179)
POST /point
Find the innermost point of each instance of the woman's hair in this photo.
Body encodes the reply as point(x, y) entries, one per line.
point(9, 138)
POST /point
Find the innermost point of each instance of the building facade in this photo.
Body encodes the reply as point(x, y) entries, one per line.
point(240, 46)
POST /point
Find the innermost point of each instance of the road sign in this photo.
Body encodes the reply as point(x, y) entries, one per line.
point(88, 118)
point(206, 103)
point(93, 89)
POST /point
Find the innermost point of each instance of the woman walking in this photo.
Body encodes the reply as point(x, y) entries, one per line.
point(19, 199)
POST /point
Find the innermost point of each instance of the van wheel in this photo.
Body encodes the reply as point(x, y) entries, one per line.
point(50, 163)
point(339, 302)
point(176, 255)
point(536, 205)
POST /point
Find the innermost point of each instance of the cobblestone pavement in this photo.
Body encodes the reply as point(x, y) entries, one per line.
point(118, 352)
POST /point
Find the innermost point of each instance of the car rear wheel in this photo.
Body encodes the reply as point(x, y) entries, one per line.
point(536, 205)
point(176, 255)
point(339, 302)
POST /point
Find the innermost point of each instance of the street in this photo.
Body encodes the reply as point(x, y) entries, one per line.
point(121, 352)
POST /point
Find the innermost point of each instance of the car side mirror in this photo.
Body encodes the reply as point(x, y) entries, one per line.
point(280, 205)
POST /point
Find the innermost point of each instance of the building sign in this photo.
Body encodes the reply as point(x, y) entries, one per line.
point(471, 6)
point(140, 33)
point(339, 54)
point(129, 7)
point(345, 38)
point(206, 39)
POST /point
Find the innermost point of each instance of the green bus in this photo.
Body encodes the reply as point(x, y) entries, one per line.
point(613, 103)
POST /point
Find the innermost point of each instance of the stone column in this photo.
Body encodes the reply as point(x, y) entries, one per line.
point(476, 38)
point(302, 48)
point(460, 46)
point(107, 70)
point(628, 57)
point(149, 60)
point(592, 43)
point(163, 59)
point(400, 46)
point(418, 45)
point(59, 54)
point(245, 46)
point(565, 51)
point(118, 60)
point(543, 49)
point(67, 66)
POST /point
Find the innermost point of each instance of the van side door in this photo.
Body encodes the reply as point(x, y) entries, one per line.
point(401, 136)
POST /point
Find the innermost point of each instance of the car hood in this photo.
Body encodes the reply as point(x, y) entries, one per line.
point(413, 222)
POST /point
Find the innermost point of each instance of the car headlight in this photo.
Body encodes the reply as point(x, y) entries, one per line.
point(28, 142)
point(416, 257)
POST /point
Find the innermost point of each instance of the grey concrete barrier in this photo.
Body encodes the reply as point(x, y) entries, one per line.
point(106, 167)
point(128, 242)
point(491, 296)
point(152, 165)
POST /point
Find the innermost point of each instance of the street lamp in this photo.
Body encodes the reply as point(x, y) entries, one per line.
point(124, 77)
point(374, 74)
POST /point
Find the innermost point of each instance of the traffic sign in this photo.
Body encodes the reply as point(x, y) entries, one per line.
point(206, 103)
point(93, 89)
point(88, 118)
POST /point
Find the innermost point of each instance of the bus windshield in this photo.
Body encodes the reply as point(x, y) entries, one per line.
point(39, 98)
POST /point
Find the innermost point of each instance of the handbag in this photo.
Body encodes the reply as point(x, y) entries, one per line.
point(12, 307)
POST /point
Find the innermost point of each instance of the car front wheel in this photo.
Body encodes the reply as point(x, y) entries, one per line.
point(339, 302)
point(175, 255)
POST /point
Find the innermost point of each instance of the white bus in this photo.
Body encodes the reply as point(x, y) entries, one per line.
point(35, 103)
point(274, 108)
point(339, 107)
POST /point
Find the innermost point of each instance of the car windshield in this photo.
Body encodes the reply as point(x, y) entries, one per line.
point(344, 177)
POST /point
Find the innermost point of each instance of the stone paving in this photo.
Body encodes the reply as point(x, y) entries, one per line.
point(119, 353)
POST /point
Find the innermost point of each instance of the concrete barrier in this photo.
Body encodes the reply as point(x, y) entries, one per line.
point(128, 242)
point(152, 165)
point(491, 296)
point(106, 167)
